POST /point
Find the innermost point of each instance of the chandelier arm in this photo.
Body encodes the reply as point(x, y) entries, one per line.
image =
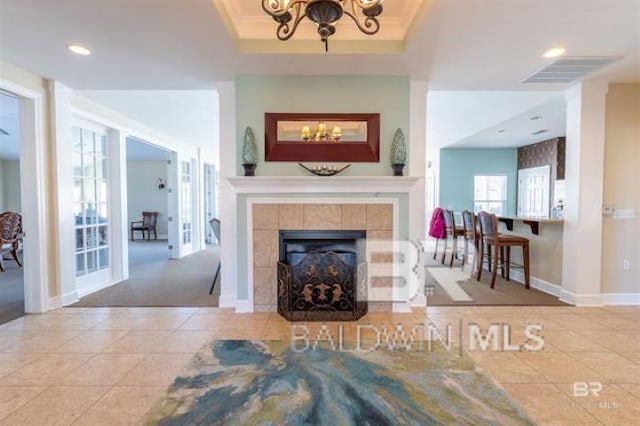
point(269, 9)
point(370, 26)
point(285, 32)
point(366, 4)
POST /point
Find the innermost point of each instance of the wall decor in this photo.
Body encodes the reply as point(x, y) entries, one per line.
point(325, 170)
point(249, 152)
point(322, 137)
point(398, 153)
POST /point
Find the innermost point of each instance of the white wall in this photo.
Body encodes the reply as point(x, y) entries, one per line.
point(143, 193)
point(10, 186)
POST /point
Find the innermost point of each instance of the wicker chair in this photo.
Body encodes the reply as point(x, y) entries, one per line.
point(10, 236)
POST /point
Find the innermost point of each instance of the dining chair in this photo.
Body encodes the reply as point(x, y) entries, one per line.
point(215, 225)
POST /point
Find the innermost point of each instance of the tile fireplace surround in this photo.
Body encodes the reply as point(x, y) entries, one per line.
point(388, 208)
point(269, 219)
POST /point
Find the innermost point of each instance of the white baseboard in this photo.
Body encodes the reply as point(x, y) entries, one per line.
point(581, 299)
point(621, 298)
point(56, 302)
point(226, 301)
point(243, 306)
point(82, 292)
point(537, 283)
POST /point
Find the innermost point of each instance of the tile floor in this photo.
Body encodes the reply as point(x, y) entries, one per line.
point(94, 366)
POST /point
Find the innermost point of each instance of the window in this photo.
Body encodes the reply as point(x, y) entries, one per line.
point(490, 193)
point(90, 201)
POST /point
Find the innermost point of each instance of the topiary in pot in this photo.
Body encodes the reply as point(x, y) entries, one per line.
point(398, 153)
point(249, 152)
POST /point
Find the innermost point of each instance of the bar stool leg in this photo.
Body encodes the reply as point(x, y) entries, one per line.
point(444, 249)
point(508, 263)
point(435, 253)
point(489, 249)
point(494, 273)
point(502, 265)
point(454, 250)
point(525, 255)
point(480, 260)
point(465, 258)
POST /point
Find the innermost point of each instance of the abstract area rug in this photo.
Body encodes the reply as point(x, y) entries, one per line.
point(242, 382)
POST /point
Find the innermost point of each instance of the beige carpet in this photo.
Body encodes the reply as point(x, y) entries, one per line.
point(452, 287)
point(154, 280)
point(11, 292)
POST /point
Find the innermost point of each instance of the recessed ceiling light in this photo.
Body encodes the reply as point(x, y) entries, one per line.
point(554, 53)
point(539, 132)
point(502, 130)
point(536, 117)
point(79, 50)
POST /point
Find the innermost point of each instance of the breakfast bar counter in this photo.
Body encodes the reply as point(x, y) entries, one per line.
point(533, 222)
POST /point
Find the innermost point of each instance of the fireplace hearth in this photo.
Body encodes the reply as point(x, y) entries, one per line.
point(322, 275)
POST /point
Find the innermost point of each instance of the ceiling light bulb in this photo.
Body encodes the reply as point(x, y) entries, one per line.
point(79, 50)
point(554, 53)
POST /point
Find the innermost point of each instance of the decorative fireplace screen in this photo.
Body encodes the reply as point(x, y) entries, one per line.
point(321, 276)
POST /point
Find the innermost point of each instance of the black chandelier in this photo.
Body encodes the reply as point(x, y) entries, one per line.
point(325, 13)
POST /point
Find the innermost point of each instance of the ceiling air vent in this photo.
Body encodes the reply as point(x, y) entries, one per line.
point(567, 70)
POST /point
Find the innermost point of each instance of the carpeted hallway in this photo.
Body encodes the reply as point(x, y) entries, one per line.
point(11, 292)
point(155, 280)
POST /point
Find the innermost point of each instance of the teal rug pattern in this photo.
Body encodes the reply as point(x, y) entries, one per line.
point(242, 382)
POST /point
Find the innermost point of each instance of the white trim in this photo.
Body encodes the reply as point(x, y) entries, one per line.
point(33, 196)
point(621, 298)
point(63, 300)
point(89, 289)
point(244, 306)
point(336, 184)
point(581, 299)
point(251, 201)
point(537, 283)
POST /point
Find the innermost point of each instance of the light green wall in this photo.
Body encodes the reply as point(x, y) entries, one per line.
point(387, 95)
point(458, 167)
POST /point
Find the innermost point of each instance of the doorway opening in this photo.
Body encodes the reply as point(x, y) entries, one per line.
point(165, 266)
point(12, 294)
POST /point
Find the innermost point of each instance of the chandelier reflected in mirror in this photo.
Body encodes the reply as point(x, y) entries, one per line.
point(324, 13)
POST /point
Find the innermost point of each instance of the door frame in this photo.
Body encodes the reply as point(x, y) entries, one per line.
point(33, 197)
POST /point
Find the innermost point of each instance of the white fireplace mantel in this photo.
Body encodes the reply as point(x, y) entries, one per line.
point(314, 184)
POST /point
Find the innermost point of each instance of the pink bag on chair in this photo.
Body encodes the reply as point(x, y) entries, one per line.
point(437, 225)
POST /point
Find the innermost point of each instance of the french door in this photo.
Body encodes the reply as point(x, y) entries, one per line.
point(182, 176)
point(91, 205)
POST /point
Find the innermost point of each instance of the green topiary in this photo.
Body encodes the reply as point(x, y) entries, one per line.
point(398, 149)
point(249, 148)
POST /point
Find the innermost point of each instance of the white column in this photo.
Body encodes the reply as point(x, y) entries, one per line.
point(61, 124)
point(228, 201)
point(417, 168)
point(584, 179)
point(117, 146)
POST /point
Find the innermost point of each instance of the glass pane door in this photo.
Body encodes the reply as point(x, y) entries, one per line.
point(90, 201)
point(186, 201)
